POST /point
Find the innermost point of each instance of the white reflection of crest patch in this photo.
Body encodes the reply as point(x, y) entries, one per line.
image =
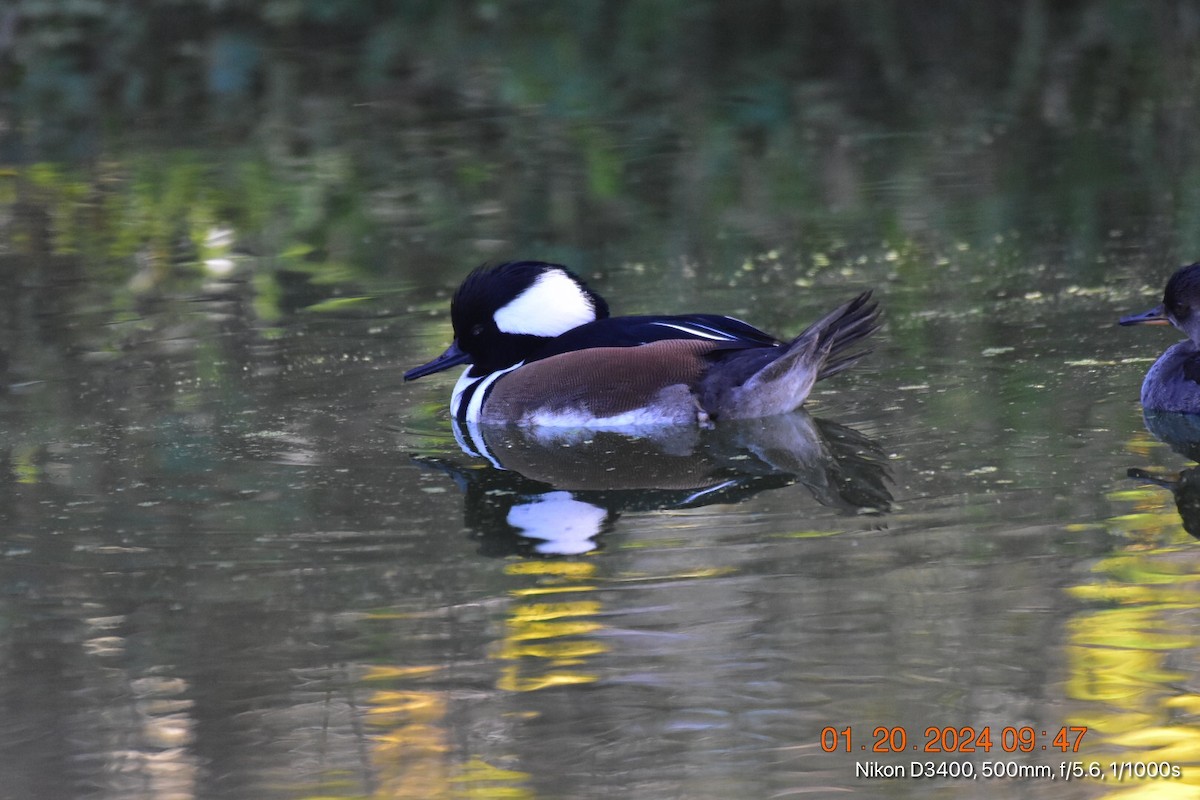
point(551, 306)
point(565, 525)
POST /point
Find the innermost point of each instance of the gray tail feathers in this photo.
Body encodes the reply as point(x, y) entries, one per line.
point(840, 330)
point(762, 381)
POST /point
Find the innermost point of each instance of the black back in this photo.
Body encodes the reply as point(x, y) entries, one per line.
point(726, 333)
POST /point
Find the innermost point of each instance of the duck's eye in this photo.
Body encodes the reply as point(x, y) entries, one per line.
point(477, 329)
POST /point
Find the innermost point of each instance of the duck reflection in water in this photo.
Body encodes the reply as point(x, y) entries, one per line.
point(1182, 433)
point(547, 491)
point(1185, 487)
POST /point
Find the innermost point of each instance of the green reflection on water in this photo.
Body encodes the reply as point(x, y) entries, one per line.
point(989, 165)
point(416, 139)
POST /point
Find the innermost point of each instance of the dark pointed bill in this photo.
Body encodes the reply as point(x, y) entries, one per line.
point(451, 358)
point(1155, 316)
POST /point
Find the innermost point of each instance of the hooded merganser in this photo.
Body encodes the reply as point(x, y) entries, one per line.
point(543, 350)
point(1173, 383)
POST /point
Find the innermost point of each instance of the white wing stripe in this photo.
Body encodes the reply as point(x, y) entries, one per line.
point(696, 329)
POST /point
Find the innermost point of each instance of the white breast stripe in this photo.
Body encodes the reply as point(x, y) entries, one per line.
point(464, 383)
point(695, 329)
point(476, 404)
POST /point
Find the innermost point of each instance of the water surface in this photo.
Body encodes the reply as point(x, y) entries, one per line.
point(241, 558)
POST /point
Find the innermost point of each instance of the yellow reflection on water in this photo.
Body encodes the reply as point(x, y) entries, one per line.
point(479, 779)
point(546, 641)
point(1133, 651)
point(547, 637)
point(409, 744)
point(411, 752)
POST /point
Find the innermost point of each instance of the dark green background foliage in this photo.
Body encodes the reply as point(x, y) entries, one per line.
point(387, 136)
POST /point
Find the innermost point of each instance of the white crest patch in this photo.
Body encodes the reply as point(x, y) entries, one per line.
point(553, 305)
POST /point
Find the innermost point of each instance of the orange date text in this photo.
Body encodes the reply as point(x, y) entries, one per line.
point(951, 739)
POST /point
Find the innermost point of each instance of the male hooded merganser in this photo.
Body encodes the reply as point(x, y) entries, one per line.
point(1173, 383)
point(543, 350)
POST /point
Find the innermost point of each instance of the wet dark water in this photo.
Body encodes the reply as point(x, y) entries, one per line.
point(279, 576)
point(240, 558)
